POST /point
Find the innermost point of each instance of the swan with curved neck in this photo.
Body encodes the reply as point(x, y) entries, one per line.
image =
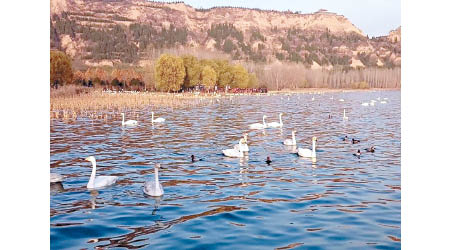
point(308, 153)
point(153, 187)
point(233, 152)
point(129, 122)
point(291, 142)
point(276, 124)
point(259, 125)
point(160, 119)
point(244, 144)
point(99, 181)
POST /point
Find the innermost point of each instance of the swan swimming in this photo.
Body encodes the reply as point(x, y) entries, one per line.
point(160, 119)
point(291, 142)
point(259, 125)
point(276, 124)
point(99, 181)
point(55, 178)
point(341, 100)
point(129, 122)
point(244, 144)
point(365, 104)
point(234, 152)
point(153, 187)
point(308, 153)
point(345, 117)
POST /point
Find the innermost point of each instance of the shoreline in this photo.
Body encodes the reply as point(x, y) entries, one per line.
point(327, 90)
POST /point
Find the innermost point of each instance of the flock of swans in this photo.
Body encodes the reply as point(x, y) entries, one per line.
point(154, 187)
point(238, 150)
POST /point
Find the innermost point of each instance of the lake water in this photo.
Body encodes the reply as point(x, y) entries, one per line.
point(338, 202)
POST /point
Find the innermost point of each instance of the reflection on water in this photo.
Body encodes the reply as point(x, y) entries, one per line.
point(338, 201)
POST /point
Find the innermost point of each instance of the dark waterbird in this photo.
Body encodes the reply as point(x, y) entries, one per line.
point(354, 141)
point(371, 149)
point(268, 161)
point(345, 138)
point(194, 160)
point(358, 154)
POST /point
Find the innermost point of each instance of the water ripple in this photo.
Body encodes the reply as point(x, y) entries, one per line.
point(339, 201)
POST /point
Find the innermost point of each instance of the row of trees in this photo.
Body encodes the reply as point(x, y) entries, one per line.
point(174, 73)
point(169, 73)
point(294, 75)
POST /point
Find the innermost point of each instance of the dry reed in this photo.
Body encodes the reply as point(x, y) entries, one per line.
point(98, 104)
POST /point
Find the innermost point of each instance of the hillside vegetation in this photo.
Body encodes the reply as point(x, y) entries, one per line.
point(126, 34)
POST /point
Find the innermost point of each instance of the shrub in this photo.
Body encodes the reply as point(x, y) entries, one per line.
point(60, 68)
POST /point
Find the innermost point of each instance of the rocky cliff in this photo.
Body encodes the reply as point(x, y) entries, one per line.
point(123, 31)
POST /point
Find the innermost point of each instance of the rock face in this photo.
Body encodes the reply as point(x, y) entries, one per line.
point(395, 35)
point(125, 30)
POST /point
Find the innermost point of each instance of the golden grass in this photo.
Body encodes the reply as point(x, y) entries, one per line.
point(71, 104)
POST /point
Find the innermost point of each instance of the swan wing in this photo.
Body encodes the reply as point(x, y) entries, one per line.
point(231, 152)
point(131, 122)
point(244, 148)
point(56, 178)
point(304, 152)
point(160, 119)
point(288, 142)
point(256, 126)
point(103, 181)
point(150, 188)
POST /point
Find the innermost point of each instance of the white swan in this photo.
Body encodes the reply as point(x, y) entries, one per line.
point(383, 102)
point(54, 178)
point(291, 142)
point(244, 144)
point(153, 187)
point(365, 104)
point(306, 152)
point(234, 152)
point(129, 122)
point(160, 119)
point(99, 181)
point(341, 100)
point(345, 117)
point(259, 125)
point(276, 124)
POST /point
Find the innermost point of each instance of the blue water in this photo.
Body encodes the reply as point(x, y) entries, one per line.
point(338, 202)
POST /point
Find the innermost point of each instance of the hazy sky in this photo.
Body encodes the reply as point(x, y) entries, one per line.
point(373, 17)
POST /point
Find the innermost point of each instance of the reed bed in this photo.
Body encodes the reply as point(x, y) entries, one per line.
point(103, 104)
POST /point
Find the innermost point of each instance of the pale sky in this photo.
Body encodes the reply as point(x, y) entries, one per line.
point(373, 17)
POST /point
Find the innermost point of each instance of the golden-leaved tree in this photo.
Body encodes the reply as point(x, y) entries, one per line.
point(240, 77)
point(60, 68)
point(169, 73)
point(193, 71)
point(209, 77)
